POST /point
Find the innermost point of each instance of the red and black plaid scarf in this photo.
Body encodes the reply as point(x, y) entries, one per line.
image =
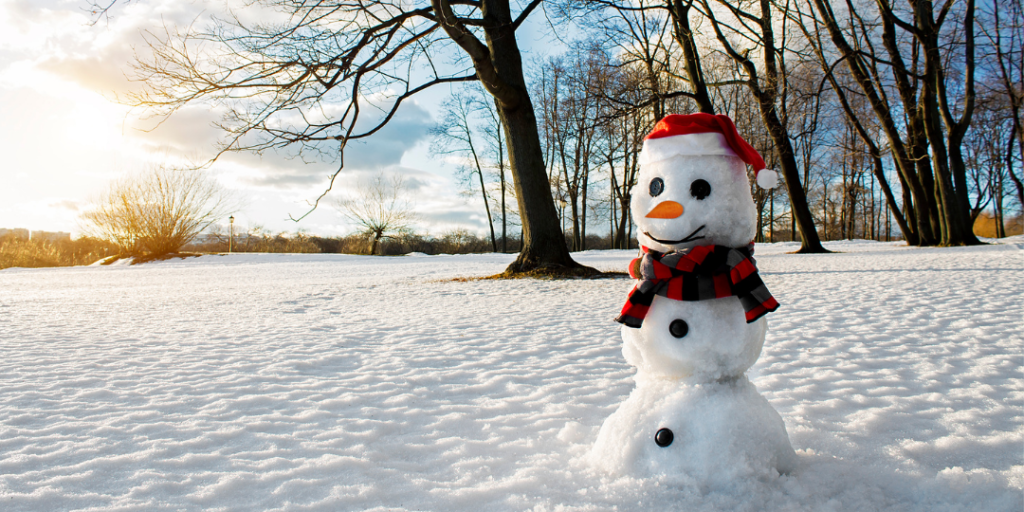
point(702, 273)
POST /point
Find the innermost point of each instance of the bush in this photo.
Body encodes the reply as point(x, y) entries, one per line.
point(458, 241)
point(258, 240)
point(21, 252)
point(461, 241)
point(158, 211)
point(985, 225)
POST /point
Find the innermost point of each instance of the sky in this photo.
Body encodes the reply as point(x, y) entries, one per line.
point(64, 136)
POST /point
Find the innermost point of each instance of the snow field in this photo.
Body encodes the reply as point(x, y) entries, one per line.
point(331, 382)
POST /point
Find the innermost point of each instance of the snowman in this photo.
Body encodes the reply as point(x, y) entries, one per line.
point(694, 322)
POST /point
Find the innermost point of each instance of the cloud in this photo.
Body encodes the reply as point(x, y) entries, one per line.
point(384, 150)
point(58, 74)
point(435, 203)
point(455, 217)
point(32, 25)
point(23, 10)
point(96, 58)
point(415, 181)
point(189, 131)
point(287, 179)
point(103, 74)
point(411, 124)
point(66, 204)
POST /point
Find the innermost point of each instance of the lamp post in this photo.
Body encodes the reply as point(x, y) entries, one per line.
point(231, 239)
point(561, 212)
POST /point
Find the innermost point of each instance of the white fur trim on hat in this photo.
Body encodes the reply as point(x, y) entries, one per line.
point(767, 179)
point(691, 144)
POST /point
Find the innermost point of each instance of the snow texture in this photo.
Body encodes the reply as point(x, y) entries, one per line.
point(331, 382)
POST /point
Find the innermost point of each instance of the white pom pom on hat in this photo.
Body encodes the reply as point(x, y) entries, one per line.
point(767, 178)
point(703, 135)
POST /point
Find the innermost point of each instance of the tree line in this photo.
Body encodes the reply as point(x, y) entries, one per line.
point(16, 251)
point(879, 116)
point(859, 124)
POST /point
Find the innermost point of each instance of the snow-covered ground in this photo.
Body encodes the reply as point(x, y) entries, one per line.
point(333, 382)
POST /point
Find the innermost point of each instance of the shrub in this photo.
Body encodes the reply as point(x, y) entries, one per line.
point(158, 211)
point(21, 252)
point(257, 239)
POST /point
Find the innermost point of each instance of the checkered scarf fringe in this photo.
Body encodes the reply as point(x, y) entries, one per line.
point(702, 273)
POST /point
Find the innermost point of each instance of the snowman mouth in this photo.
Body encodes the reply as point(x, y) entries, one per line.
point(689, 238)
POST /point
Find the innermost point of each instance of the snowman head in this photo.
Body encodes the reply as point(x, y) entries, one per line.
point(692, 187)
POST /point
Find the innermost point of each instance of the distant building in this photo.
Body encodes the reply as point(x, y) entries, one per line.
point(51, 236)
point(16, 232)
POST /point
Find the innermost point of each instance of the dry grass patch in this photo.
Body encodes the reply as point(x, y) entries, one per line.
point(542, 274)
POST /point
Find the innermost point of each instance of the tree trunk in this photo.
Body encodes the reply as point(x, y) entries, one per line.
point(910, 157)
point(809, 241)
point(499, 67)
point(955, 212)
point(543, 245)
point(765, 86)
point(680, 13)
point(583, 206)
point(483, 190)
point(374, 244)
point(824, 210)
point(1009, 160)
point(890, 200)
point(501, 174)
point(487, 208)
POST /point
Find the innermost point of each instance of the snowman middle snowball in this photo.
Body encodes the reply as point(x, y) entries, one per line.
point(719, 343)
point(695, 321)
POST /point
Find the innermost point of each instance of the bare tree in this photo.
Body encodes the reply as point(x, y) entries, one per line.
point(1003, 28)
point(159, 211)
point(572, 105)
point(921, 92)
point(989, 156)
point(381, 206)
point(650, 36)
point(494, 142)
point(455, 135)
point(328, 73)
point(741, 29)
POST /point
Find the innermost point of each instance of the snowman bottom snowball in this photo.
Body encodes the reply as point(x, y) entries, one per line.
point(710, 433)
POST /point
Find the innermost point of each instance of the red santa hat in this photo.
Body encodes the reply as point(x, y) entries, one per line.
point(703, 135)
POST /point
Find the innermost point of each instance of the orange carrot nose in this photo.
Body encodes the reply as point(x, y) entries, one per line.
point(666, 210)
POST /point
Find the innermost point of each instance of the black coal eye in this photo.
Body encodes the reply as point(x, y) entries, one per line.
point(657, 186)
point(678, 328)
point(700, 189)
